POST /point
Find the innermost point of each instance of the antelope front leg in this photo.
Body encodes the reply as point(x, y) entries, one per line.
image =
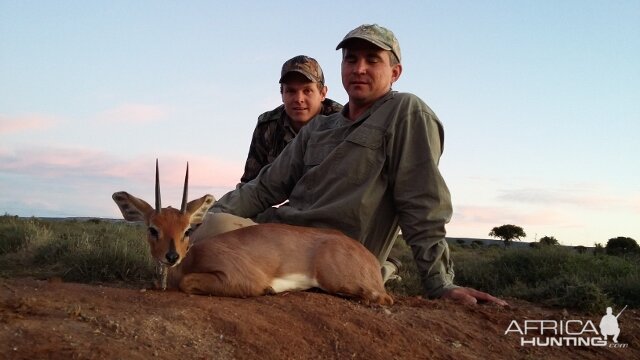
point(218, 284)
point(161, 276)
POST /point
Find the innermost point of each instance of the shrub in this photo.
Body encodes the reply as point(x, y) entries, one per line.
point(622, 246)
point(598, 249)
point(21, 234)
point(477, 244)
point(84, 251)
point(12, 236)
point(555, 276)
point(98, 252)
point(548, 241)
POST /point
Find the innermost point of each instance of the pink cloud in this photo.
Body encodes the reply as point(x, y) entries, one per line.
point(134, 113)
point(31, 122)
point(207, 175)
point(52, 162)
point(579, 195)
point(479, 220)
point(66, 162)
point(80, 181)
point(204, 171)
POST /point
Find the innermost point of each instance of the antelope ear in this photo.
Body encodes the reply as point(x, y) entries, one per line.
point(132, 208)
point(197, 209)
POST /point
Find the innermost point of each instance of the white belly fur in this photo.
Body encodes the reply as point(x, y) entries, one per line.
point(293, 282)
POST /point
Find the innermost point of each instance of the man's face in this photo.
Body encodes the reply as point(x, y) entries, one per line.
point(302, 98)
point(367, 73)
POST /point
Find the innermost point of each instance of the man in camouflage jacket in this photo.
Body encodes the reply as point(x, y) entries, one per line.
point(303, 96)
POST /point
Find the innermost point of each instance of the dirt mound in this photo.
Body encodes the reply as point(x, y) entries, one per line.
point(55, 320)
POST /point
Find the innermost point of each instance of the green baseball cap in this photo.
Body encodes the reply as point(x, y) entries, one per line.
point(304, 65)
point(375, 34)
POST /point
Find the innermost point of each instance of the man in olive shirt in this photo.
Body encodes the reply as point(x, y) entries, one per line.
point(366, 170)
point(304, 94)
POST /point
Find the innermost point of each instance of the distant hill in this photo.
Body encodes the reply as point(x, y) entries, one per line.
point(485, 242)
point(492, 242)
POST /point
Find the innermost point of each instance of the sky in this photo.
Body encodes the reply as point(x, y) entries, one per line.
point(540, 101)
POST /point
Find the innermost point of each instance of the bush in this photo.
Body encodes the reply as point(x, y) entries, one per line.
point(555, 276)
point(95, 252)
point(622, 246)
point(477, 244)
point(548, 241)
point(12, 236)
point(18, 234)
point(84, 251)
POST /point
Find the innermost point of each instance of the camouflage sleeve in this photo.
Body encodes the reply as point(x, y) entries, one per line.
point(330, 107)
point(257, 158)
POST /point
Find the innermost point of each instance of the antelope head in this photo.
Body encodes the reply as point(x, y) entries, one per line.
point(168, 229)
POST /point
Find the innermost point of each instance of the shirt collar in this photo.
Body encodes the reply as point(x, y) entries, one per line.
point(389, 95)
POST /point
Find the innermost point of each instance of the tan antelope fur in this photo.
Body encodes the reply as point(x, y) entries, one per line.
point(254, 260)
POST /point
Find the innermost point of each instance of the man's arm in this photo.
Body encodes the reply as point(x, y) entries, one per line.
point(471, 296)
point(258, 151)
point(422, 197)
point(273, 184)
point(424, 205)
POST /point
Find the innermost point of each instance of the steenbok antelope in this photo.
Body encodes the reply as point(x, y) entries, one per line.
point(254, 260)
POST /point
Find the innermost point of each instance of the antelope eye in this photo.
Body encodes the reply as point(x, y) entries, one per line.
point(153, 232)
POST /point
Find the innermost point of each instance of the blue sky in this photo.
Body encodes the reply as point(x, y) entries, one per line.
point(540, 101)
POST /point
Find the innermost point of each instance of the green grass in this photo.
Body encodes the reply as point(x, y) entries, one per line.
point(98, 251)
point(550, 275)
point(82, 251)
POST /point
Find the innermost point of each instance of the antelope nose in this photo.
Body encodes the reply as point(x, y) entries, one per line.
point(172, 257)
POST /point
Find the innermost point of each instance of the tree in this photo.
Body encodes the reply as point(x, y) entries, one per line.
point(598, 249)
point(548, 241)
point(508, 233)
point(621, 246)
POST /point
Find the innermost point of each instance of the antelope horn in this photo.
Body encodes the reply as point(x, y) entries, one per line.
point(183, 207)
point(158, 202)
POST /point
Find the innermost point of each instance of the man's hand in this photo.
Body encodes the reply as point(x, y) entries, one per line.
point(471, 296)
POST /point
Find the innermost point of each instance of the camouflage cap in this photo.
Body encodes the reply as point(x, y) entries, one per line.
point(375, 34)
point(304, 65)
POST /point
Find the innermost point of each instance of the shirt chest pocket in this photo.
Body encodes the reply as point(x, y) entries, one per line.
point(364, 155)
point(370, 138)
point(357, 159)
point(317, 153)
